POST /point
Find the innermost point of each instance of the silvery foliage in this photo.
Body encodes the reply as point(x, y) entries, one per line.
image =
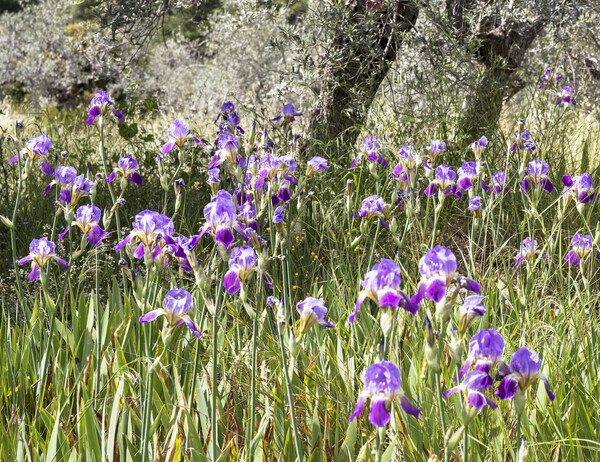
point(47, 56)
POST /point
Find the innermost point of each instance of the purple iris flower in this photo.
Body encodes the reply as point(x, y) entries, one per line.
point(472, 385)
point(36, 148)
point(242, 195)
point(227, 151)
point(408, 157)
point(213, 180)
point(100, 105)
point(230, 119)
point(438, 271)
point(127, 167)
point(382, 285)
point(474, 203)
point(63, 179)
point(213, 175)
point(227, 108)
point(582, 245)
point(485, 351)
point(231, 125)
point(242, 263)
point(373, 207)
point(444, 178)
point(401, 176)
point(289, 114)
point(87, 219)
point(182, 248)
point(467, 174)
point(178, 133)
point(566, 96)
point(247, 216)
point(436, 148)
point(82, 187)
point(369, 148)
point(497, 184)
point(256, 183)
point(403, 195)
point(478, 147)
point(527, 250)
point(176, 305)
point(148, 227)
point(536, 175)
point(316, 165)
point(221, 218)
point(524, 369)
point(283, 194)
point(233, 120)
point(382, 386)
point(278, 215)
point(470, 310)
point(40, 252)
point(312, 310)
point(522, 138)
point(269, 165)
point(549, 78)
point(581, 187)
point(289, 164)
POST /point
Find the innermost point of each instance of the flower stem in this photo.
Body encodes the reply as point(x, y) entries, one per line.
point(149, 372)
point(378, 432)
point(214, 440)
point(438, 392)
point(518, 431)
point(290, 397)
point(105, 168)
point(110, 190)
point(252, 390)
point(13, 239)
point(253, 378)
point(465, 456)
point(173, 178)
point(98, 326)
point(146, 413)
point(372, 253)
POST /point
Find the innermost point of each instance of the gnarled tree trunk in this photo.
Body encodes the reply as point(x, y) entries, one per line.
point(502, 45)
point(358, 60)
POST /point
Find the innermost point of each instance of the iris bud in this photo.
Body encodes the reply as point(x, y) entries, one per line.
point(6, 222)
point(394, 226)
point(387, 320)
point(363, 227)
point(456, 347)
point(523, 451)
point(431, 352)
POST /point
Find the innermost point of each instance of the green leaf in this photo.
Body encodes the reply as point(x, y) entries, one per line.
point(389, 452)
point(114, 420)
point(128, 131)
point(51, 451)
point(349, 441)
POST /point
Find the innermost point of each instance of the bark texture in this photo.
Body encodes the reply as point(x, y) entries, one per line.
point(502, 46)
point(358, 60)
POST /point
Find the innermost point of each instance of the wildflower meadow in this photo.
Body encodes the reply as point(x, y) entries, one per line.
point(227, 299)
point(382, 245)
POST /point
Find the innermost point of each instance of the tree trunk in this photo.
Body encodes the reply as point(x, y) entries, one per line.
point(501, 48)
point(357, 62)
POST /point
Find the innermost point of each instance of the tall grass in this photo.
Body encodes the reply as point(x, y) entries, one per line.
point(83, 380)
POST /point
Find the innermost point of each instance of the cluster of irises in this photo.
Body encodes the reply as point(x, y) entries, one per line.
point(472, 180)
point(446, 288)
point(265, 182)
point(441, 283)
point(252, 212)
